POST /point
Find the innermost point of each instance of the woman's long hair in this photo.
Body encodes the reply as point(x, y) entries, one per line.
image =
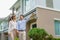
point(13, 17)
point(10, 18)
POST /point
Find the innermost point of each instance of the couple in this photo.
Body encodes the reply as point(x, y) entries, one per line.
point(17, 27)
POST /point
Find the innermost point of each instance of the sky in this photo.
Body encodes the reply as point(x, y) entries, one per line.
point(4, 7)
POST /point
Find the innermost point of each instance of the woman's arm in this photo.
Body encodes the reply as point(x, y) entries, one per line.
point(9, 28)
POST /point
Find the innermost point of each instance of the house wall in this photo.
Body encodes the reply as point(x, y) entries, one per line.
point(45, 19)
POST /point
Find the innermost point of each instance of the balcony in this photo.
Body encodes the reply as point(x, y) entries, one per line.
point(4, 26)
point(0, 28)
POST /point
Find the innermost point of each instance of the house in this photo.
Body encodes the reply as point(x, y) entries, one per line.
point(44, 14)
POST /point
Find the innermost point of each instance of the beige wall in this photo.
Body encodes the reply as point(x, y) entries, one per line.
point(46, 19)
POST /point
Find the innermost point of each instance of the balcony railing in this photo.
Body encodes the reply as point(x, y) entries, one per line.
point(4, 26)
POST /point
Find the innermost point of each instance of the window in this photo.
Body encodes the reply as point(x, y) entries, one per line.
point(41, 3)
point(49, 3)
point(33, 25)
point(27, 2)
point(57, 27)
point(56, 4)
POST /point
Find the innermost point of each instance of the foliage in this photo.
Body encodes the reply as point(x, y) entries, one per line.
point(37, 34)
point(50, 37)
point(56, 38)
point(16, 38)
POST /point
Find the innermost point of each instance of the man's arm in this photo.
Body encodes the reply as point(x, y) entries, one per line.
point(29, 17)
point(9, 28)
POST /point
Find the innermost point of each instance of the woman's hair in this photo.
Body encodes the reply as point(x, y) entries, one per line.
point(10, 18)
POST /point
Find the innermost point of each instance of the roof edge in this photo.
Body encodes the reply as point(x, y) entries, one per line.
point(13, 5)
point(47, 8)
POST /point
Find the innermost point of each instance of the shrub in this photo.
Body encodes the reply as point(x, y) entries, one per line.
point(37, 34)
point(16, 38)
point(56, 39)
point(50, 37)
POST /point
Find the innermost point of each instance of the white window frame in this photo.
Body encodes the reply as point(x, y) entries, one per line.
point(32, 24)
point(58, 19)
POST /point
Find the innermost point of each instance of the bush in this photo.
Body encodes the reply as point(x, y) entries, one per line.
point(56, 39)
point(37, 34)
point(16, 38)
point(50, 37)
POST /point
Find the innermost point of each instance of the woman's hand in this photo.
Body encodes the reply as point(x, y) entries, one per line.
point(9, 34)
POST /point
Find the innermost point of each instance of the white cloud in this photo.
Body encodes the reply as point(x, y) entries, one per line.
point(4, 7)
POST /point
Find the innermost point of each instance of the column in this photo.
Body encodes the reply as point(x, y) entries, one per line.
point(2, 36)
point(24, 6)
point(21, 8)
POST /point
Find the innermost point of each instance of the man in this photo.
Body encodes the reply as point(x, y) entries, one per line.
point(21, 27)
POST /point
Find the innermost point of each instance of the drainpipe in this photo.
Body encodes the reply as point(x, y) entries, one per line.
point(2, 36)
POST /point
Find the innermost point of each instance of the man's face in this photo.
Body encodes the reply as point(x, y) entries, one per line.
point(21, 17)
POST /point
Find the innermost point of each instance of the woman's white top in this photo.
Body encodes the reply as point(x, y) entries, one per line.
point(12, 26)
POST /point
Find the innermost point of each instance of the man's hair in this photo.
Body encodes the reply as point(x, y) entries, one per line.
point(22, 15)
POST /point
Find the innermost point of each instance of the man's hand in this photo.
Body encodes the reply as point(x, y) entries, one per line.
point(32, 16)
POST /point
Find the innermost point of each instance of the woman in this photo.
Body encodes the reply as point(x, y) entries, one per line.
point(12, 27)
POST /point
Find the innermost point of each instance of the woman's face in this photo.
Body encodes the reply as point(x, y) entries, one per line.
point(14, 18)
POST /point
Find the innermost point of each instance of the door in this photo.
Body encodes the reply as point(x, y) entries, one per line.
point(33, 25)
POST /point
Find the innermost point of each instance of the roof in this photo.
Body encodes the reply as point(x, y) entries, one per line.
point(47, 8)
point(15, 4)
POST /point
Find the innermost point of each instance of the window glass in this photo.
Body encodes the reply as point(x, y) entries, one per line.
point(49, 3)
point(56, 4)
point(57, 27)
point(27, 5)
